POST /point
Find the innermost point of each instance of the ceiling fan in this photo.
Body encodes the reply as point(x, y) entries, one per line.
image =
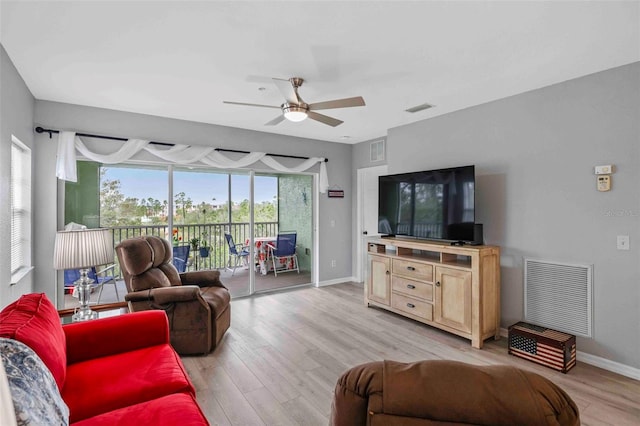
point(295, 109)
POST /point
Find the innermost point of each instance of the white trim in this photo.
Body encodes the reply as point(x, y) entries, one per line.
point(336, 281)
point(607, 364)
point(360, 246)
point(596, 361)
point(315, 254)
point(17, 276)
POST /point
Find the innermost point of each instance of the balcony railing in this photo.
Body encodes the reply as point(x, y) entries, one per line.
point(212, 233)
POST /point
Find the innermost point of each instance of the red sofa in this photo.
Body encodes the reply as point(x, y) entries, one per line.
point(116, 370)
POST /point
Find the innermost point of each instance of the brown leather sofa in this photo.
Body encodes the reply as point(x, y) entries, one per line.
point(440, 393)
point(197, 303)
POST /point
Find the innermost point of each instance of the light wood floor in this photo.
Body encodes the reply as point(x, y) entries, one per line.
point(279, 361)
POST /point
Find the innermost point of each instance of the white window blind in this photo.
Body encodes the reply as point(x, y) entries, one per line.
point(20, 194)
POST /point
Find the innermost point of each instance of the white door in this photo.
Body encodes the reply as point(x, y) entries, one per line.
point(367, 213)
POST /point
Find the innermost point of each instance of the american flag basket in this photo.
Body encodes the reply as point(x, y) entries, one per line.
point(543, 345)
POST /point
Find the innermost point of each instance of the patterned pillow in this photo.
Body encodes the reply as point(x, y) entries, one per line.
point(36, 398)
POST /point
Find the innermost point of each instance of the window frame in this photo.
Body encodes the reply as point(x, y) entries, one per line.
point(20, 200)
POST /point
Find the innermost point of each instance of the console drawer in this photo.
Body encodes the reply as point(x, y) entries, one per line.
point(412, 288)
point(412, 306)
point(407, 268)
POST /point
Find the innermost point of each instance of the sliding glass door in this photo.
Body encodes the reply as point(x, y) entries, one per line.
point(223, 220)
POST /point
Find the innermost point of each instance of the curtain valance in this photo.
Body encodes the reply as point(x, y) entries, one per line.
point(68, 143)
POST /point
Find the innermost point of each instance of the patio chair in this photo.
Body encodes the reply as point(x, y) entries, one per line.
point(238, 253)
point(104, 276)
point(181, 257)
point(284, 253)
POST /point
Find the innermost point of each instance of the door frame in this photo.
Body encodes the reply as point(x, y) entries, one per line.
point(362, 175)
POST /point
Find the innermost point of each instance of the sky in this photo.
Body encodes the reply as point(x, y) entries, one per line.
point(199, 186)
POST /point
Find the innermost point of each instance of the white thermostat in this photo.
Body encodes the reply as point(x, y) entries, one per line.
point(604, 183)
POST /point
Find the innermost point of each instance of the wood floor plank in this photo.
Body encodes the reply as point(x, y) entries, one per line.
point(268, 408)
point(269, 376)
point(279, 362)
point(236, 408)
point(320, 399)
point(304, 414)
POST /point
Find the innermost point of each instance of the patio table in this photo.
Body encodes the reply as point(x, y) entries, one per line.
point(261, 253)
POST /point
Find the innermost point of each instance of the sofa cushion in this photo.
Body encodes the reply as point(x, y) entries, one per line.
point(175, 409)
point(35, 394)
point(33, 320)
point(112, 382)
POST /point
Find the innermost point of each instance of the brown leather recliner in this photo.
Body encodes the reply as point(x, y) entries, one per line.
point(441, 393)
point(196, 303)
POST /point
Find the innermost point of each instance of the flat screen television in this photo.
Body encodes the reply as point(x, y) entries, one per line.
point(433, 204)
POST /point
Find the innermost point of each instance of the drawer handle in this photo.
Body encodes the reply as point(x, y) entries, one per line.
point(411, 305)
point(387, 272)
point(437, 283)
point(411, 286)
point(411, 268)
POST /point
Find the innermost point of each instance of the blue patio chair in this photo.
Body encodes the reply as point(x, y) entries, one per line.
point(104, 276)
point(181, 257)
point(284, 249)
point(238, 253)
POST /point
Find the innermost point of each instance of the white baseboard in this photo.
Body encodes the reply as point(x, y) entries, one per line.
point(336, 281)
point(596, 361)
point(607, 364)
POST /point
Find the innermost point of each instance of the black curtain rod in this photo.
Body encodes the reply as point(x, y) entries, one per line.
point(115, 138)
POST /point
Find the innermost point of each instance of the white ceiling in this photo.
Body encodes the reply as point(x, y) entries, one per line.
point(182, 59)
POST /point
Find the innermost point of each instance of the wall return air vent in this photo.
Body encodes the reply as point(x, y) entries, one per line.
point(559, 295)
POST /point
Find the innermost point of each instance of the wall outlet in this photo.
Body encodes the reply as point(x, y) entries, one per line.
point(623, 242)
point(333, 263)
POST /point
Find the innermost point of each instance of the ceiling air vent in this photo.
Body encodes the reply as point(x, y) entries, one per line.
point(419, 108)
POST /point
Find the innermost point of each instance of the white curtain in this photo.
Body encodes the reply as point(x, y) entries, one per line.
point(68, 143)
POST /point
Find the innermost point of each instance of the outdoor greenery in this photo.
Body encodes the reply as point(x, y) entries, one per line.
point(116, 209)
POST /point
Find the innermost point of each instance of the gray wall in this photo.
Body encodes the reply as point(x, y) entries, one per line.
point(124, 124)
point(536, 191)
point(16, 118)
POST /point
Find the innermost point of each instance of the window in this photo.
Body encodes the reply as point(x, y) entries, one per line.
point(20, 195)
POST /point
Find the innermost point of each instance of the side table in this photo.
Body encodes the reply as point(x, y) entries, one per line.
point(104, 310)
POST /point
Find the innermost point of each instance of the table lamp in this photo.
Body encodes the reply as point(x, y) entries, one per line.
point(82, 250)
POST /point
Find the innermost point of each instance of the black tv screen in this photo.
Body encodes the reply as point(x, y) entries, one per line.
point(433, 204)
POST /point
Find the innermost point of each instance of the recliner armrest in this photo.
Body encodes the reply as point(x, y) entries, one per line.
point(165, 295)
point(202, 278)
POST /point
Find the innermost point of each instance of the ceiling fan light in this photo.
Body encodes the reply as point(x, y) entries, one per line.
point(295, 116)
point(294, 113)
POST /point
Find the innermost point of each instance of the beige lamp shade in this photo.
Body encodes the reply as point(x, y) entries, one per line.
point(82, 249)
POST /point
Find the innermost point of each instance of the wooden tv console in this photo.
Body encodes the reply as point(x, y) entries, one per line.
point(454, 288)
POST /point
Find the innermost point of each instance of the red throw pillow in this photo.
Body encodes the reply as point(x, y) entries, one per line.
point(34, 321)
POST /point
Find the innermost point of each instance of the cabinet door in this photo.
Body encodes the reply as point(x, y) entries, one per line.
point(379, 279)
point(453, 298)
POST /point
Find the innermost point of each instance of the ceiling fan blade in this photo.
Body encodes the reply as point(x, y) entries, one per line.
point(275, 121)
point(338, 103)
point(287, 90)
point(333, 122)
point(253, 105)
